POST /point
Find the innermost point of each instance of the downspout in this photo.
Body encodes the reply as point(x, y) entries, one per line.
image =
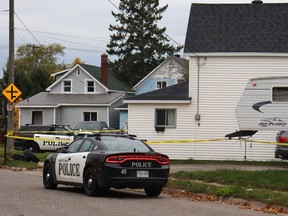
point(197, 115)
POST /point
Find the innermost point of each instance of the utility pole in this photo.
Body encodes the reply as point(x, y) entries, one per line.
point(10, 123)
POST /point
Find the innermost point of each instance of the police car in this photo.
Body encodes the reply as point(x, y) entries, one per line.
point(100, 162)
point(43, 137)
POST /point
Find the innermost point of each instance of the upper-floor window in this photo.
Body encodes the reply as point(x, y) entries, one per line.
point(67, 86)
point(165, 118)
point(161, 84)
point(90, 88)
point(280, 94)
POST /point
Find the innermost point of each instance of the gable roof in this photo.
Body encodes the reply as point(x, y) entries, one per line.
point(113, 84)
point(237, 28)
point(177, 93)
point(180, 61)
point(45, 99)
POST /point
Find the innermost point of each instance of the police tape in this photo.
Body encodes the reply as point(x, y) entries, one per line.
point(182, 141)
point(154, 142)
point(37, 139)
point(68, 132)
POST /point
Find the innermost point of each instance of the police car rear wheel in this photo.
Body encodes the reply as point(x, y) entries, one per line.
point(153, 191)
point(48, 178)
point(91, 187)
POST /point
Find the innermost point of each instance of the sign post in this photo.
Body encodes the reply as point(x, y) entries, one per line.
point(11, 93)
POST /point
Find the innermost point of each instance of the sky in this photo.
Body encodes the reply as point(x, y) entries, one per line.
point(82, 26)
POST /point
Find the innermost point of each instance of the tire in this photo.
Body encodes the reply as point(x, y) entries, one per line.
point(31, 156)
point(48, 178)
point(90, 184)
point(21, 157)
point(32, 146)
point(153, 191)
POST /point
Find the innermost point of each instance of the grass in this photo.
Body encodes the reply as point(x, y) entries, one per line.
point(19, 163)
point(269, 186)
point(246, 162)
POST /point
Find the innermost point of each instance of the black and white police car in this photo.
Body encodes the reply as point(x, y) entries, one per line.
point(103, 161)
point(43, 137)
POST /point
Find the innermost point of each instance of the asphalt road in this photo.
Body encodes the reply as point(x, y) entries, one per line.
point(22, 194)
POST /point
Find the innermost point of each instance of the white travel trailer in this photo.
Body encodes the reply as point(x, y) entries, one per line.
point(264, 105)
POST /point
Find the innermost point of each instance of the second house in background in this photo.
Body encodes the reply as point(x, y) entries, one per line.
point(81, 93)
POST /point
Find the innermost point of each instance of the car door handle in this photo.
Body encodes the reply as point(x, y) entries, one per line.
point(57, 137)
point(84, 157)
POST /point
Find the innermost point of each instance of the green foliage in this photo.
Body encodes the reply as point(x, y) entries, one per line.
point(137, 41)
point(33, 66)
point(226, 191)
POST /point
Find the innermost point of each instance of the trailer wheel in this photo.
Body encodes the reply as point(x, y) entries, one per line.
point(21, 157)
point(31, 156)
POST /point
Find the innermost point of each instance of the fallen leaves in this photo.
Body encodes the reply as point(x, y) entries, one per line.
point(212, 198)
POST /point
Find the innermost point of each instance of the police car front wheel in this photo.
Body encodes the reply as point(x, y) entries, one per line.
point(33, 147)
point(48, 178)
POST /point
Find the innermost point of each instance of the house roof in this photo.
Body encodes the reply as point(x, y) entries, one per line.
point(113, 82)
point(181, 61)
point(237, 28)
point(45, 99)
point(178, 92)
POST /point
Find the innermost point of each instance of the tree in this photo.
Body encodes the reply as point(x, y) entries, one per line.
point(77, 61)
point(137, 41)
point(33, 66)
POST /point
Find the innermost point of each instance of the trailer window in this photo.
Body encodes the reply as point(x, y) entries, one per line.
point(280, 94)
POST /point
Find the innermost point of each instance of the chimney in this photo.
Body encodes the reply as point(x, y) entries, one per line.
point(257, 2)
point(104, 68)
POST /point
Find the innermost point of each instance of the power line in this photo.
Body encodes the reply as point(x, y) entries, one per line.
point(69, 35)
point(27, 28)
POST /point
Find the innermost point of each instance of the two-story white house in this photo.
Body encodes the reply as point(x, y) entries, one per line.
point(226, 44)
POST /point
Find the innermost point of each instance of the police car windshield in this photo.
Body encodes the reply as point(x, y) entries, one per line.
point(124, 144)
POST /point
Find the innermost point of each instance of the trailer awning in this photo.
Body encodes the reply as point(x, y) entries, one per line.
point(240, 133)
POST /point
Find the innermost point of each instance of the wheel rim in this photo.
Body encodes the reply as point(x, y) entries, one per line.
point(90, 182)
point(47, 177)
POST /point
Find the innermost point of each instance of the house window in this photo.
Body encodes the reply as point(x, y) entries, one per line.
point(165, 118)
point(90, 86)
point(90, 116)
point(37, 117)
point(280, 94)
point(161, 84)
point(67, 85)
point(78, 71)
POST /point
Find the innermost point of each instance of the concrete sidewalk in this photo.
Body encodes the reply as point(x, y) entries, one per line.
point(207, 167)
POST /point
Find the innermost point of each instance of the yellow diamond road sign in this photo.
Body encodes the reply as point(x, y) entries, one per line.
point(11, 92)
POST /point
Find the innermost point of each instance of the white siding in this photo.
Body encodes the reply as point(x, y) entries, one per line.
point(222, 81)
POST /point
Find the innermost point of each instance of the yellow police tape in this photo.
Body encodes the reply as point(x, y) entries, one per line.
point(10, 134)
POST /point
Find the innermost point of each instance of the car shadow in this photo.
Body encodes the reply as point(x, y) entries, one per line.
point(111, 193)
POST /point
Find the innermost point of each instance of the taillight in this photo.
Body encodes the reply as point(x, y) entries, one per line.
point(118, 159)
point(283, 140)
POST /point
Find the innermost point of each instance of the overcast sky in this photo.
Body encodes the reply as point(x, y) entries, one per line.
point(82, 26)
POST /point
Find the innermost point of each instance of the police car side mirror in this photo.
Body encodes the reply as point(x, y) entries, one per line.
point(61, 150)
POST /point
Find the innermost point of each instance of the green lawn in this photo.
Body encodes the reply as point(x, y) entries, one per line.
point(269, 186)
